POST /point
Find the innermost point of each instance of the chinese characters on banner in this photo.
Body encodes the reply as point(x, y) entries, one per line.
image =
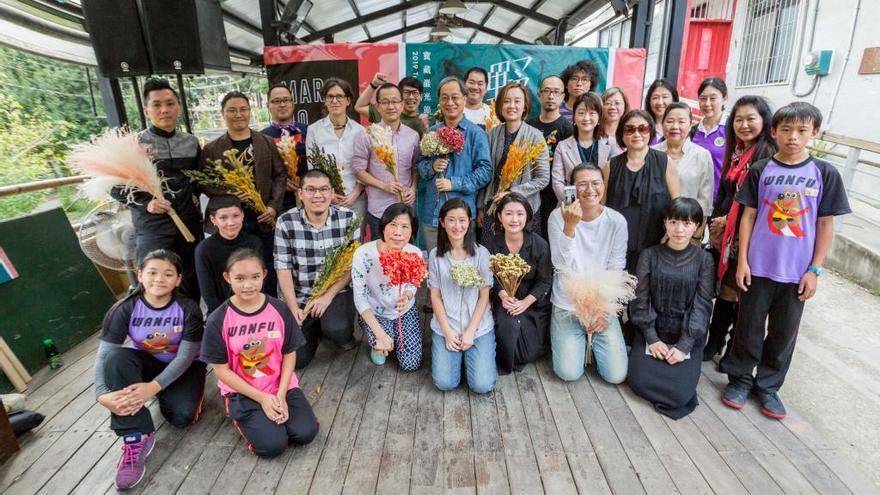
point(305, 67)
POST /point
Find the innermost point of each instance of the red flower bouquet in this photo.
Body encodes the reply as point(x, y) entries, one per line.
point(451, 137)
point(402, 267)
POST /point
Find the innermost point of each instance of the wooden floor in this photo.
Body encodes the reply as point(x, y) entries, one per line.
point(387, 431)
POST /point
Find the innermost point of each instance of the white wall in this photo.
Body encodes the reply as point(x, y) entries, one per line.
point(856, 111)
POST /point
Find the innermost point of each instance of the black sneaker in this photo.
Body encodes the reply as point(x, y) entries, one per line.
point(771, 405)
point(734, 396)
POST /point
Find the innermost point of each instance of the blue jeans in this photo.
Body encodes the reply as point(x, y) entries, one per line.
point(479, 360)
point(569, 343)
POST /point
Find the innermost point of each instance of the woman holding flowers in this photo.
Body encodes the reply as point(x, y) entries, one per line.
point(521, 317)
point(334, 136)
point(520, 162)
point(459, 279)
point(671, 311)
point(586, 236)
point(388, 315)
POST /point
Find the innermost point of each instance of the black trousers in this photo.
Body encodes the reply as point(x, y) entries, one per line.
point(265, 437)
point(520, 340)
point(150, 241)
point(180, 402)
point(775, 305)
point(336, 324)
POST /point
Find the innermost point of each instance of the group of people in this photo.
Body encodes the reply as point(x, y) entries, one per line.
point(732, 209)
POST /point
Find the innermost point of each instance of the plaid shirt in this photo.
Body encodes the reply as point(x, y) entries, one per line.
point(300, 247)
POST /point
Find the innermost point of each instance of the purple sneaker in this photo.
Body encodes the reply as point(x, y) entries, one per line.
point(132, 466)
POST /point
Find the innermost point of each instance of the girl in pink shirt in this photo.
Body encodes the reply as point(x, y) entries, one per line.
point(251, 340)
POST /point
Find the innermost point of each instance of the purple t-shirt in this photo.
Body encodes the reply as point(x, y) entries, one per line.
point(715, 141)
point(157, 331)
point(789, 199)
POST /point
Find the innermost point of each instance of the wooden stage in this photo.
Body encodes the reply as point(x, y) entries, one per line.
point(386, 431)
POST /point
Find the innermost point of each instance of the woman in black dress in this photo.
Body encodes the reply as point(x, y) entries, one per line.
point(522, 320)
point(671, 310)
point(640, 184)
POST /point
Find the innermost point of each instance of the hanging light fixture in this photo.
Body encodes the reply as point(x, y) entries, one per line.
point(440, 30)
point(453, 7)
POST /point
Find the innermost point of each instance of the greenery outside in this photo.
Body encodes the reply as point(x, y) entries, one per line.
point(47, 106)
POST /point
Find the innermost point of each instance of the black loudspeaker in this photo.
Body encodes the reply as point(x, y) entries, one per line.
point(168, 36)
point(114, 27)
point(212, 34)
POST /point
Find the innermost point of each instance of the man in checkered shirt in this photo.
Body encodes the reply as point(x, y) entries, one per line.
point(304, 236)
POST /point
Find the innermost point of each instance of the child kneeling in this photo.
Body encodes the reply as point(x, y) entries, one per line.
point(251, 340)
point(160, 359)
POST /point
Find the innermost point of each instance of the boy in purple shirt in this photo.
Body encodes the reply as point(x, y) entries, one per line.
point(786, 229)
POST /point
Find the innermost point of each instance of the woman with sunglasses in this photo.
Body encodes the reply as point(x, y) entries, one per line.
point(640, 184)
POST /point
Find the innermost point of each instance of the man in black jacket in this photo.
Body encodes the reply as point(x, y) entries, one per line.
point(172, 153)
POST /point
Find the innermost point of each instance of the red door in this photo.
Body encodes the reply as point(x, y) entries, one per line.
point(706, 44)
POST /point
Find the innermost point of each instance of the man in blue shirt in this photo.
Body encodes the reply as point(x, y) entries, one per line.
point(463, 174)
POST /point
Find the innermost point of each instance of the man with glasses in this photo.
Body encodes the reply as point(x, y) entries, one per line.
point(411, 90)
point(461, 175)
point(577, 79)
point(270, 176)
point(476, 79)
point(384, 189)
point(281, 108)
point(305, 235)
point(555, 128)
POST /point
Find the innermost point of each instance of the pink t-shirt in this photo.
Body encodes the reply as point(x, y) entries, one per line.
point(252, 344)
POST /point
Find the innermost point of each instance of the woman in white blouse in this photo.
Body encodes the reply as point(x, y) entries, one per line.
point(378, 305)
point(335, 134)
point(696, 172)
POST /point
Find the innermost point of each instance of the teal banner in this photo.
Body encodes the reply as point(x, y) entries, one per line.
point(527, 64)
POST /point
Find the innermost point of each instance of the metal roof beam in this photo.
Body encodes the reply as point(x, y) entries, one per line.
point(524, 11)
point(241, 23)
point(498, 34)
point(357, 13)
point(482, 23)
point(403, 30)
point(359, 20)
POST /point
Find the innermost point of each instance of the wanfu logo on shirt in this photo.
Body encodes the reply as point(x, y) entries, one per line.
point(238, 331)
point(788, 180)
point(156, 342)
point(254, 359)
point(785, 214)
point(149, 321)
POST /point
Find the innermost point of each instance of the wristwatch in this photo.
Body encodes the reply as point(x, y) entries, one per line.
point(815, 269)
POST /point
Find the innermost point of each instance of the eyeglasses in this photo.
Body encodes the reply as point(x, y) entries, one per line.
point(281, 101)
point(551, 92)
point(238, 111)
point(453, 98)
point(584, 80)
point(335, 97)
point(411, 93)
point(388, 103)
point(310, 191)
point(643, 129)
